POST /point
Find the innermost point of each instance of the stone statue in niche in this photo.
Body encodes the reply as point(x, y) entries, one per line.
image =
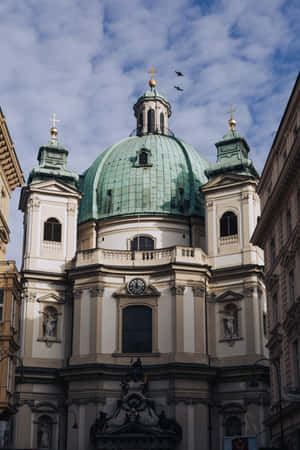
point(50, 323)
point(44, 435)
point(231, 324)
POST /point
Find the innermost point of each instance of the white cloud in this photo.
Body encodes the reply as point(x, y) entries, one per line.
point(87, 63)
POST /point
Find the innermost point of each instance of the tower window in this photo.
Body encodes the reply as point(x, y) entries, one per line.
point(228, 224)
point(137, 329)
point(143, 158)
point(151, 121)
point(52, 230)
point(162, 123)
point(142, 243)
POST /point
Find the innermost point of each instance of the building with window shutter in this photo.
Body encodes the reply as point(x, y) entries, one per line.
point(278, 233)
point(144, 300)
point(10, 290)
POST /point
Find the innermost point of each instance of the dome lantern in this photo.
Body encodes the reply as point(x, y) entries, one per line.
point(152, 111)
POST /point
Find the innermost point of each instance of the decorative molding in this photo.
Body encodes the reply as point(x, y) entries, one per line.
point(71, 208)
point(177, 290)
point(35, 203)
point(77, 294)
point(51, 296)
point(198, 291)
point(227, 296)
point(96, 291)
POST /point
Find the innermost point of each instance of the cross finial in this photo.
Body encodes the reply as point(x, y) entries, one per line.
point(53, 130)
point(152, 82)
point(231, 121)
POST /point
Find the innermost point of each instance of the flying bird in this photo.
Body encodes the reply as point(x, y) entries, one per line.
point(179, 74)
point(178, 88)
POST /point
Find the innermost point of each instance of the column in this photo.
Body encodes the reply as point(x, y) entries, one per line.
point(249, 321)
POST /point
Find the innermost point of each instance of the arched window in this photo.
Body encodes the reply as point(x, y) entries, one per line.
point(52, 230)
point(50, 319)
point(44, 432)
point(137, 329)
point(142, 243)
point(143, 158)
point(151, 121)
point(228, 224)
point(162, 123)
point(233, 426)
point(140, 122)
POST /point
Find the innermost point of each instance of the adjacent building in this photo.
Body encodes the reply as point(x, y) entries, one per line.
point(10, 294)
point(278, 233)
point(144, 299)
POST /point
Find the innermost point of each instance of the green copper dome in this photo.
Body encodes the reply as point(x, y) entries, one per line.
point(150, 174)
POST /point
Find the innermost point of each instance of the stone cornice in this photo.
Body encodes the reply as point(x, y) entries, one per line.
point(8, 158)
point(286, 177)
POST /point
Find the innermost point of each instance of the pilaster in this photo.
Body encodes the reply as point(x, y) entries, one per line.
point(199, 317)
point(96, 298)
point(178, 292)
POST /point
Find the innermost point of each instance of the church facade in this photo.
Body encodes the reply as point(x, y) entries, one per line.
point(143, 298)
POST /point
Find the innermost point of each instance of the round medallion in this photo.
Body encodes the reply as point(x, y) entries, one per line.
point(136, 286)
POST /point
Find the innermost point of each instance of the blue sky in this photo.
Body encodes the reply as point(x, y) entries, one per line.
point(87, 62)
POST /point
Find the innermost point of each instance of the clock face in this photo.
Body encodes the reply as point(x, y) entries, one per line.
point(136, 286)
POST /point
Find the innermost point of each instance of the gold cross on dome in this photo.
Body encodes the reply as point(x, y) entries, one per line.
point(54, 120)
point(152, 72)
point(230, 112)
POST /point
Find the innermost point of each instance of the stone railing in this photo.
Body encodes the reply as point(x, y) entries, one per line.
point(140, 258)
point(232, 239)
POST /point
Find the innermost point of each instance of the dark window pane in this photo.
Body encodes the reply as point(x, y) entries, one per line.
point(228, 224)
point(233, 427)
point(1, 296)
point(137, 329)
point(142, 243)
point(143, 159)
point(162, 123)
point(52, 230)
point(151, 121)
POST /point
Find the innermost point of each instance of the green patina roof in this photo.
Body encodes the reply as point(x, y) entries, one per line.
point(115, 185)
point(52, 159)
point(153, 93)
point(232, 157)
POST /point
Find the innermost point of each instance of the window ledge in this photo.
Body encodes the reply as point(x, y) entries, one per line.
point(238, 338)
point(49, 339)
point(138, 355)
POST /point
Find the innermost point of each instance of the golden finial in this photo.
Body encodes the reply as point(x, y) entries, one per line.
point(53, 130)
point(152, 82)
point(231, 121)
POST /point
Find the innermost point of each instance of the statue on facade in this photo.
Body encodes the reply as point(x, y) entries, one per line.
point(50, 324)
point(231, 325)
point(44, 435)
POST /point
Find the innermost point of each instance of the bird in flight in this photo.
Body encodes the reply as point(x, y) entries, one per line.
point(179, 74)
point(178, 88)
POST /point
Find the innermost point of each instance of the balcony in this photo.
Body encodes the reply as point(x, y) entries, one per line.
point(128, 258)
